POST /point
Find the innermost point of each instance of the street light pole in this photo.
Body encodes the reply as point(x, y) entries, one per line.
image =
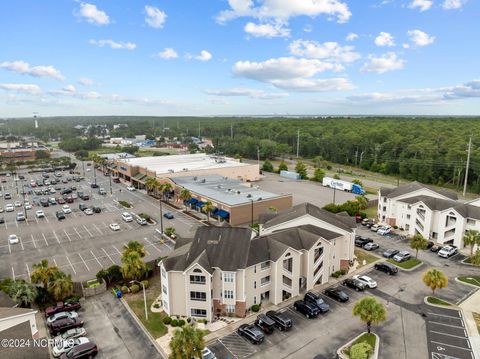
point(252, 212)
point(110, 179)
point(161, 216)
point(24, 209)
point(144, 296)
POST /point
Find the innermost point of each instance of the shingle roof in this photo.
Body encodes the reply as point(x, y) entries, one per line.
point(437, 204)
point(10, 312)
point(414, 186)
point(5, 300)
point(22, 331)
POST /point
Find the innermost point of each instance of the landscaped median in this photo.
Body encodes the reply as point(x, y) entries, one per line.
point(409, 264)
point(365, 343)
point(364, 258)
point(125, 204)
point(471, 280)
point(437, 301)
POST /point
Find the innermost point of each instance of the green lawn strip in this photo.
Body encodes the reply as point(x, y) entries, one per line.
point(155, 320)
point(371, 212)
point(438, 301)
point(476, 317)
point(471, 279)
point(370, 339)
point(362, 255)
point(412, 262)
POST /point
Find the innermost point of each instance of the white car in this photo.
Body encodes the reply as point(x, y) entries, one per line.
point(384, 230)
point(208, 354)
point(367, 280)
point(9, 208)
point(27, 205)
point(131, 188)
point(375, 227)
point(114, 227)
point(447, 251)
point(17, 204)
point(62, 315)
point(74, 196)
point(40, 214)
point(127, 217)
point(66, 209)
point(67, 344)
point(71, 334)
point(13, 239)
point(88, 211)
point(88, 169)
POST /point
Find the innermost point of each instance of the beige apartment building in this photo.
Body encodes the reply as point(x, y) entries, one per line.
point(226, 270)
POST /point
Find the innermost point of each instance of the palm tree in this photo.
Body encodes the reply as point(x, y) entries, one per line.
point(166, 188)
point(187, 343)
point(23, 293)
point(151, 184)
point(208, 207)
point(61, 287)
point(370, 311)
point(43, 273)
point(475, 259)
point(132, 266)
point(435, 279)
point(185, 195)
point(134, 246)
point(471, 238)
point(418, 242)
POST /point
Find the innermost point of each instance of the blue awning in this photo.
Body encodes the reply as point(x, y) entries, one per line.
point(191, 201)
point(200, 204)
point(223, 214)
point(214, 212)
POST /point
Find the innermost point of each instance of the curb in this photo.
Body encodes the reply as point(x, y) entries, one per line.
point(374, 355)
point(407, 270)
point(471, 285)
point(451, 306)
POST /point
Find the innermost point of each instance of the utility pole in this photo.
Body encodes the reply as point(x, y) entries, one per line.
point(231, 130)
point(298, 142)
point(199, 130)
point(468, 165)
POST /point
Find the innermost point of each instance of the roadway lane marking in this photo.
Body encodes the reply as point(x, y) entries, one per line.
point(104, 251)
point(88, 269)
point(91, 235)
point(69, 239)
point(453, 346)
point(444, 315)
point(100, 264)
point(450, 335)
point(78, 234)
point(58, 240)
point(71, 265)
point(21, 243)
point(98, 229)
point(45, 239)
point(33, 240)
point(28, 270)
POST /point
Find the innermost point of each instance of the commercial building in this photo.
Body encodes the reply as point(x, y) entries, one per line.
point(137, 170)
point(21, 153)
point(116, 156)
point(435, 214)
point(234, 201)
point(225, 270)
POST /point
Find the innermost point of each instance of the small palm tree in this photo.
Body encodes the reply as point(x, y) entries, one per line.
point(134, 246)
point(435, 279)
point(418, 242)
point(132, 266)
point(151, 183)
point(43, 273)
point(166, 188)
point(185, 195)
point(187, 342)
point(23, 293)
point(471, 238)
point(208, 207)
point(61, 287)
point(475, 259)
point(370, 311)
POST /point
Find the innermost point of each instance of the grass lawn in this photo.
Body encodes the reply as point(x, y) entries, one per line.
point(371, 212)
point(471, 279)
point(363, 255)
point(365, 338)
point(476, 316)
point(412, 262)
point(438, 301)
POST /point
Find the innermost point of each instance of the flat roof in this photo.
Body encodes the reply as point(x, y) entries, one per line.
point(116, 156)
point(222, 189)
point(182, 163)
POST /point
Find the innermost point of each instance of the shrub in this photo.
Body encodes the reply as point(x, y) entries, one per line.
point(102, 275)
point(255, 308)
point(135, 288)
point(336, 176)
point(145, 283)
point(156, 305)
point(189, 320)
point(124, 204)
point(174, 323)
point(124, 289)
point(395, 227)
point(267, 166)
point(169, 231)
point(339, 273)
point(114, 273)
point(145, 216)
point(360, 350)
point(181, 323)
point(73, 298)
point(167, 320)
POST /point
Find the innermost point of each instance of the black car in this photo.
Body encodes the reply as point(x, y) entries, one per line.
point(86, 350)
point(282, 321)
point(168, 215)
point(66, 191)
point(2, 220)
point(309, 310)
point(361, 241)
point(94, 185)
point(265, 323)
point(60, 215)
point(354, 284)
point(44, 202)
point(337, 294)
point(62, 325)
point(315, 299)
point(96, 209)
point(390, 253)
point(82, 207)
point(252, 333)
point(386, 267)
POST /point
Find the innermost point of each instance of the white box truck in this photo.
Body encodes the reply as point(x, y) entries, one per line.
point(343, 185)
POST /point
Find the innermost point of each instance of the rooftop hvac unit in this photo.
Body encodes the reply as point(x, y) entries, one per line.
point(170, 170)
point(185, 169)
point(195, 178)
point(203, 180)
point(238, 192)
point(249, 195)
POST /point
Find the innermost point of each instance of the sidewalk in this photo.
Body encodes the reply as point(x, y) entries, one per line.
point(470, 305)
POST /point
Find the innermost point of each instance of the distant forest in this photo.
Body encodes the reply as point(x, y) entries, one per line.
point(430, 150)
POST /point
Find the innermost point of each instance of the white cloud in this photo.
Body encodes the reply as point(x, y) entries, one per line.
point(308, 28)
point(266, 30)
point(155, 17)
point(284, 9)
point(423, 5)
point(292, 73)
point(384, 39)
point(351, 37)
point(114, 44)
point(405, 45)
point(69, 88)
point(168, 53)
point(247, 92)
point(93, 15)
point(384, 63)
point(23, 67)
point(85, 81)
point(452, 4)
point(30, 89)
point(420, 38)
point(204, 56)
point(329, 51)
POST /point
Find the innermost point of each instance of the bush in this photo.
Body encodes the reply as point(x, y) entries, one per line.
point(181, 323)
point(167, 320)
point(336, 176)
point(124, 204)
point(189, 320)
point(135, 288)
point(360, 351)
point(174, 323)
point(169, 231)
point(395, 227)
point(145, 283)
point(267, 166)
point(102, 275)
point(73, 299)
point(124, 289)
point(318, 175)
point(339, 273)
point(114, 273)
point(145, 217)
point(255, 308)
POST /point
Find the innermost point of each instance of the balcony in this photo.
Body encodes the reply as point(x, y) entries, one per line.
point(421, 214)
point(419, 225)
point(287, 282)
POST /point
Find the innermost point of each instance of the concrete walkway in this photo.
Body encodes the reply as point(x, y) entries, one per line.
point(468, 307)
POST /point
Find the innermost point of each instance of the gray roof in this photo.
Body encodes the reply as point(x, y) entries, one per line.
point(414, 186)
point(438, 204)
point(22, 331)
point(6, 301)
point(346, 223)
point(10, 312)
point(222, 189)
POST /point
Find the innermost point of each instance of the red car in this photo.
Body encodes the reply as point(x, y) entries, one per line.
point(62, 307)
point(60, 200)
point(69, 199)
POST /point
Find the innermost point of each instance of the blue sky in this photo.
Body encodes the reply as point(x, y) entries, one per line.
point(191, 57)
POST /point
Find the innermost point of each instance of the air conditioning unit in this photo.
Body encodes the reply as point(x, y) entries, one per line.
point(203, 180)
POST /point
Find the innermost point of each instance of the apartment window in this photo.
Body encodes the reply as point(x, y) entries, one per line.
point(164, 273)
point(228, 277)
point(471, 221)
point(408, 216)
point(265, 265)
point(228, 294)
point(288, 264)
point(385, 199)
point(287, 281)
point(434, 235)
point(254, 269)
point(198, 312)
point(230, 308)
point(197, 279)
point(164, 289)
point(317, 253)
point(255, 300)
point(200, 296)
point(265, 280)
point(254, 284)
point(384, 209)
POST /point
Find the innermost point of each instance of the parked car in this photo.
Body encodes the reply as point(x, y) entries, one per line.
point(361, 241)
point(7, 195)
point(87, 350)
point(66, 209)
point(375, 227)
point(71, 334)
point(39, 213)
point(168, 215)
point(62, 307)
point(13, 239)
point(370, 246)
point(354, 284)
point(88, 211)
point(282, 321)
point(402, 256)
point(61, 315)
point(94, 185)
point(9, 208)
point(114, 226)
point(96, 209)
point(386, 267)
point(367, 280)
point(2, 220)
point(66, 345)
point(60, 215)
point(20, 216)
point(60, 200)
point(208, 354)
point(390, 253)
point(131, 188)
point(252, 333)
point(430, 244)
point(141, 221)
point(265, 323)
point(82, 207)
point(337, 294)
point(447, 251)
point(116, 180)
point(365, 221)
point(52, 201)
point(384, 230)
point(127, 217)
point(27, 205)
point(315, 299)
point(102, 191)
point(435, 248)
point(309, 310)
point(17, 204)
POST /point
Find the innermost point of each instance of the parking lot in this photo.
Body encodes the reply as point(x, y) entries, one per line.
point(80, 244)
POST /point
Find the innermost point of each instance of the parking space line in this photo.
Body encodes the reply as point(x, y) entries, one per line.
point(83, 261)
point(16, 223)
point(54, 261)
point(91, 235)
point(46, 219)
point(28, 270)
point(447, 325)
point(71, 265)
point(105, 225)
point(9, 248)
point(111, 260)
point(444, 315)
point(13, 274)
point(152, 244)
point(453, 346)
point(117, 250)
point(449, 335)
point(21, 243)
point(36, 219)
point(69, 239)
point(100, 264)
point(33, 240)
point(45, 239)
point(98, 229)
